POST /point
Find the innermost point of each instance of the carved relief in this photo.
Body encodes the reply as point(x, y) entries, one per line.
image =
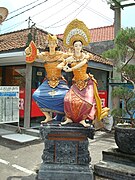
point(66, 152)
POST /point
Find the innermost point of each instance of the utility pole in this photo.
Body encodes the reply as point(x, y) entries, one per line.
point(117, 20)
point(117, 27)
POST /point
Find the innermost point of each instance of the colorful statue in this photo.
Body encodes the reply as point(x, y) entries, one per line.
point(82, 100)
point(50, 94)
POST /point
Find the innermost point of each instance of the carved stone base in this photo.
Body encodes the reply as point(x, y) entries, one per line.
point(66, 155)
point(116, 165)
point(64, 172)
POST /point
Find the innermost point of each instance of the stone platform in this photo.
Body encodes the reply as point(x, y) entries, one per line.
point(116, 165)
point(66, 155)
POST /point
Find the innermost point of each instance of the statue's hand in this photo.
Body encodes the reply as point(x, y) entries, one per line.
point(28, 50)
point(69, 59)
point(67, 69)
point(31, 52)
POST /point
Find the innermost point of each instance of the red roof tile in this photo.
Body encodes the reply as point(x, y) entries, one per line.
point(102, 34)
point(99, 34)
point(18, 39)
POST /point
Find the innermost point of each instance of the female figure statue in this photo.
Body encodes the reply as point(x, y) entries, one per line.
point(49, 96)
point(82, 100)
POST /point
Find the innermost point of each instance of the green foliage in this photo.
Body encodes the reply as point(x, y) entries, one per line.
point(124, 43)
point(124, 38)
point(129, 72)
point(127, 96)
point(131, 105)
point(112, 54)
point(122, 93)
point(122, 54)
point(118, 113)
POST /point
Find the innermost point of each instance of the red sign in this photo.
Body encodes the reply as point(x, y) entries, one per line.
point(35, 111)
point(103, 97)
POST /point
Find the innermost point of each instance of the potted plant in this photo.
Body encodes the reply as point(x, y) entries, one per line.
point(124, 115)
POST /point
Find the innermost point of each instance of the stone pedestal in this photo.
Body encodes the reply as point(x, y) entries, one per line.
point(66, 155)
point(116, 165)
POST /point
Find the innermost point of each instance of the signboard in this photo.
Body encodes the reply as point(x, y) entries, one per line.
point(9, 104)
point(35, 110)
point(103, 97)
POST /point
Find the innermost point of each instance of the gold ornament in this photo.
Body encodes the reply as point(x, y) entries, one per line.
point(76, 31)
point(32, 49)
point(52, 38)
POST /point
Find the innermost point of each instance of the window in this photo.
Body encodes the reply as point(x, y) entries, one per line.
point(13, 76)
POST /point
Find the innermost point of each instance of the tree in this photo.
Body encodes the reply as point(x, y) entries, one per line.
point(125, 49)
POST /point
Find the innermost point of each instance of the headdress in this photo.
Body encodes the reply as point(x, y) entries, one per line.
point(76, 31)
point(52, 38)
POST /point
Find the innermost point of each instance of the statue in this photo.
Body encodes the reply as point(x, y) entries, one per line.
point(82, 101)
point(49, 96)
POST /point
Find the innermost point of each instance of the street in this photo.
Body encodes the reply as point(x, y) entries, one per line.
point(20, 161)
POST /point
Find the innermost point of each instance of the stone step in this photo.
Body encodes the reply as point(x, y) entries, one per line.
point(20, 138)
point(32, 132)
point(22, 130)
point(114, 171)
point(64, 172)
point(114, 155)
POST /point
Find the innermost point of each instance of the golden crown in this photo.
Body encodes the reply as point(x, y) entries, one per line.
point(76, 31)
point(52, 38)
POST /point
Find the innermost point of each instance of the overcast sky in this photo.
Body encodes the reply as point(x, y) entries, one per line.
point(54, 15)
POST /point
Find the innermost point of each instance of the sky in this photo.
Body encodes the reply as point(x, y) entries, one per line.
point(54, 15)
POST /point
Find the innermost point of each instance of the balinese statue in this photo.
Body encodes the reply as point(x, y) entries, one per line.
point(49, 96)
point(82, 101)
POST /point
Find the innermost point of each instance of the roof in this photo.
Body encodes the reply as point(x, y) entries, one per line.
point(105, 33)
point(15, 41)
point(99, 34)
point(19, 39)
point(99, 59)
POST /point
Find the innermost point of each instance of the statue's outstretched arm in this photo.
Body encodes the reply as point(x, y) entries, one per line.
point(66, 59)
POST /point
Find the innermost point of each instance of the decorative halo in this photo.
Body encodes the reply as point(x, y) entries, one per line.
point(76, 31)
point(3, 14)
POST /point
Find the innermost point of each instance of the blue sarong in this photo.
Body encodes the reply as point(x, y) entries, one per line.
point(51, 99)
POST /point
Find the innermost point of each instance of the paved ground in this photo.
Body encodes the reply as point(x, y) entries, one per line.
point(20, 161)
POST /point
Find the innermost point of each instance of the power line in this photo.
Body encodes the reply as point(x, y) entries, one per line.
point(51, 26)
point(13, 26)
point(23, 7)
point(26, 10)
point(59, 11)
point(18, 24)
point(46, 8)
point(66, 16)
point(82, 9)
point(96, 12)
point(73, 18)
